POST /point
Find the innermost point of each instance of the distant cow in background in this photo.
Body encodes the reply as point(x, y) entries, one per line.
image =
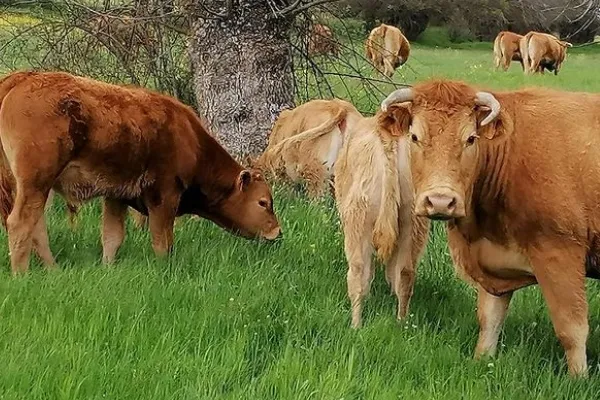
point(542, 51)
point(321, 41)
point(506, 49)
point(374, 196)
point(387, 48)
point(305, 141)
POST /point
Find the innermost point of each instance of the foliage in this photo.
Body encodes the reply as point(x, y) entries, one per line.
point(122, 44)
point(482, 19)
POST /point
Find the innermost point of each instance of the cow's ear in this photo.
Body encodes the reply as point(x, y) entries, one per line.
point(396, 120)
point(244, 180)
point(500, 126)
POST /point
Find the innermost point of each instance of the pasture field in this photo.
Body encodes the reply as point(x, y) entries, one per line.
point(227, 318)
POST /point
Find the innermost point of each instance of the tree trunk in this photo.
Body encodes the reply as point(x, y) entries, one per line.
point(243, 73)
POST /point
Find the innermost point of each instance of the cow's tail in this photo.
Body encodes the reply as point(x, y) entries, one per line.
point(524, 50)
point(385, 231)
point(498, 56)
point(311, 134)
point(7, 189)
point(565, 44)
point(7, 180)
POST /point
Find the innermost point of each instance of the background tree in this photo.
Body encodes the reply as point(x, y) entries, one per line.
point(243, 70)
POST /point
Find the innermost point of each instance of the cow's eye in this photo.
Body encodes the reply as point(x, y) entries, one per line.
point(471, 140)
point(414, 138)
point(263, 204)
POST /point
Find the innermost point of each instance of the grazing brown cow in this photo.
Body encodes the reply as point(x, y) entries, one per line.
point(520, 194)
point(542, 51)
point(305, 141)
point(321, 41)
point(374, 197)
point(134, 147)
point(506, 49)
point(387, 48)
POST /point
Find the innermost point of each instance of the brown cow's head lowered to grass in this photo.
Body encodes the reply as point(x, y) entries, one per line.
point(253, 195)
point(446, 122)
point(244, 208)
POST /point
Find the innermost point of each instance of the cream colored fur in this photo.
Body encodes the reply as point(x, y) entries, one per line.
point(374, 197)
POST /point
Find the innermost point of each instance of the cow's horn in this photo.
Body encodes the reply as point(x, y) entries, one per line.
point(398, 96)
point(488, 100)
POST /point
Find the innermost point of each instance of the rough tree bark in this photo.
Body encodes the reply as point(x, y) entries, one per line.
point(243, 73)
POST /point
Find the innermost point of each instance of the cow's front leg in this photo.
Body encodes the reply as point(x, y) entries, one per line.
point(559, 268)
point(161, 217)
point(491, 313)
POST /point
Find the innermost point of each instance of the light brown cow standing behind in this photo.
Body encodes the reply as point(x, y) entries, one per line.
point(542, 51)
point(374, 197)
point(387, 48)
point(506, 49)
point(305, 141)
point(517, 175)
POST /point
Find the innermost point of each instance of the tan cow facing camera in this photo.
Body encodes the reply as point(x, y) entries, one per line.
point(517, 177)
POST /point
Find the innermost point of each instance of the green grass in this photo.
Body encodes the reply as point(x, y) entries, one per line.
point(227, 318)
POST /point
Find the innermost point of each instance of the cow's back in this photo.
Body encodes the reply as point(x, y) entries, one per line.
point(361, 165)
point(109, 140)
point(553, 160)
point(393, 40)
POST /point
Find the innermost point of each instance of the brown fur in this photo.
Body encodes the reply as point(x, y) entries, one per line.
point(129, 145)
point(506, 49)
point(387, 48)
point(321, 41)
point(525, 198)
point(305, 141)
point(374, 197)
point(542, 51)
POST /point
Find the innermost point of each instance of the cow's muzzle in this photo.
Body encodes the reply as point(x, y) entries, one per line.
point(274, 234)
point(440, 204)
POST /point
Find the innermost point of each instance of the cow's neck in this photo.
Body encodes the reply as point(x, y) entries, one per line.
point(488, 198)
point(216, 171)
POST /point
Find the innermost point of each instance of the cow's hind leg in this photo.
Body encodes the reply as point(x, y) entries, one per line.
point(114, 213)
point(400, 274)
point(139, 219)
point(161, 219)
point(315, 176)
point(559, 269)
point(358, 249)
point(491, 313)
point(388, 68)
point(506, 62)
point(21, 223)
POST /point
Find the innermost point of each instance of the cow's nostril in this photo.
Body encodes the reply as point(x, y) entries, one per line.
point(428, 203)
point(452, 204)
